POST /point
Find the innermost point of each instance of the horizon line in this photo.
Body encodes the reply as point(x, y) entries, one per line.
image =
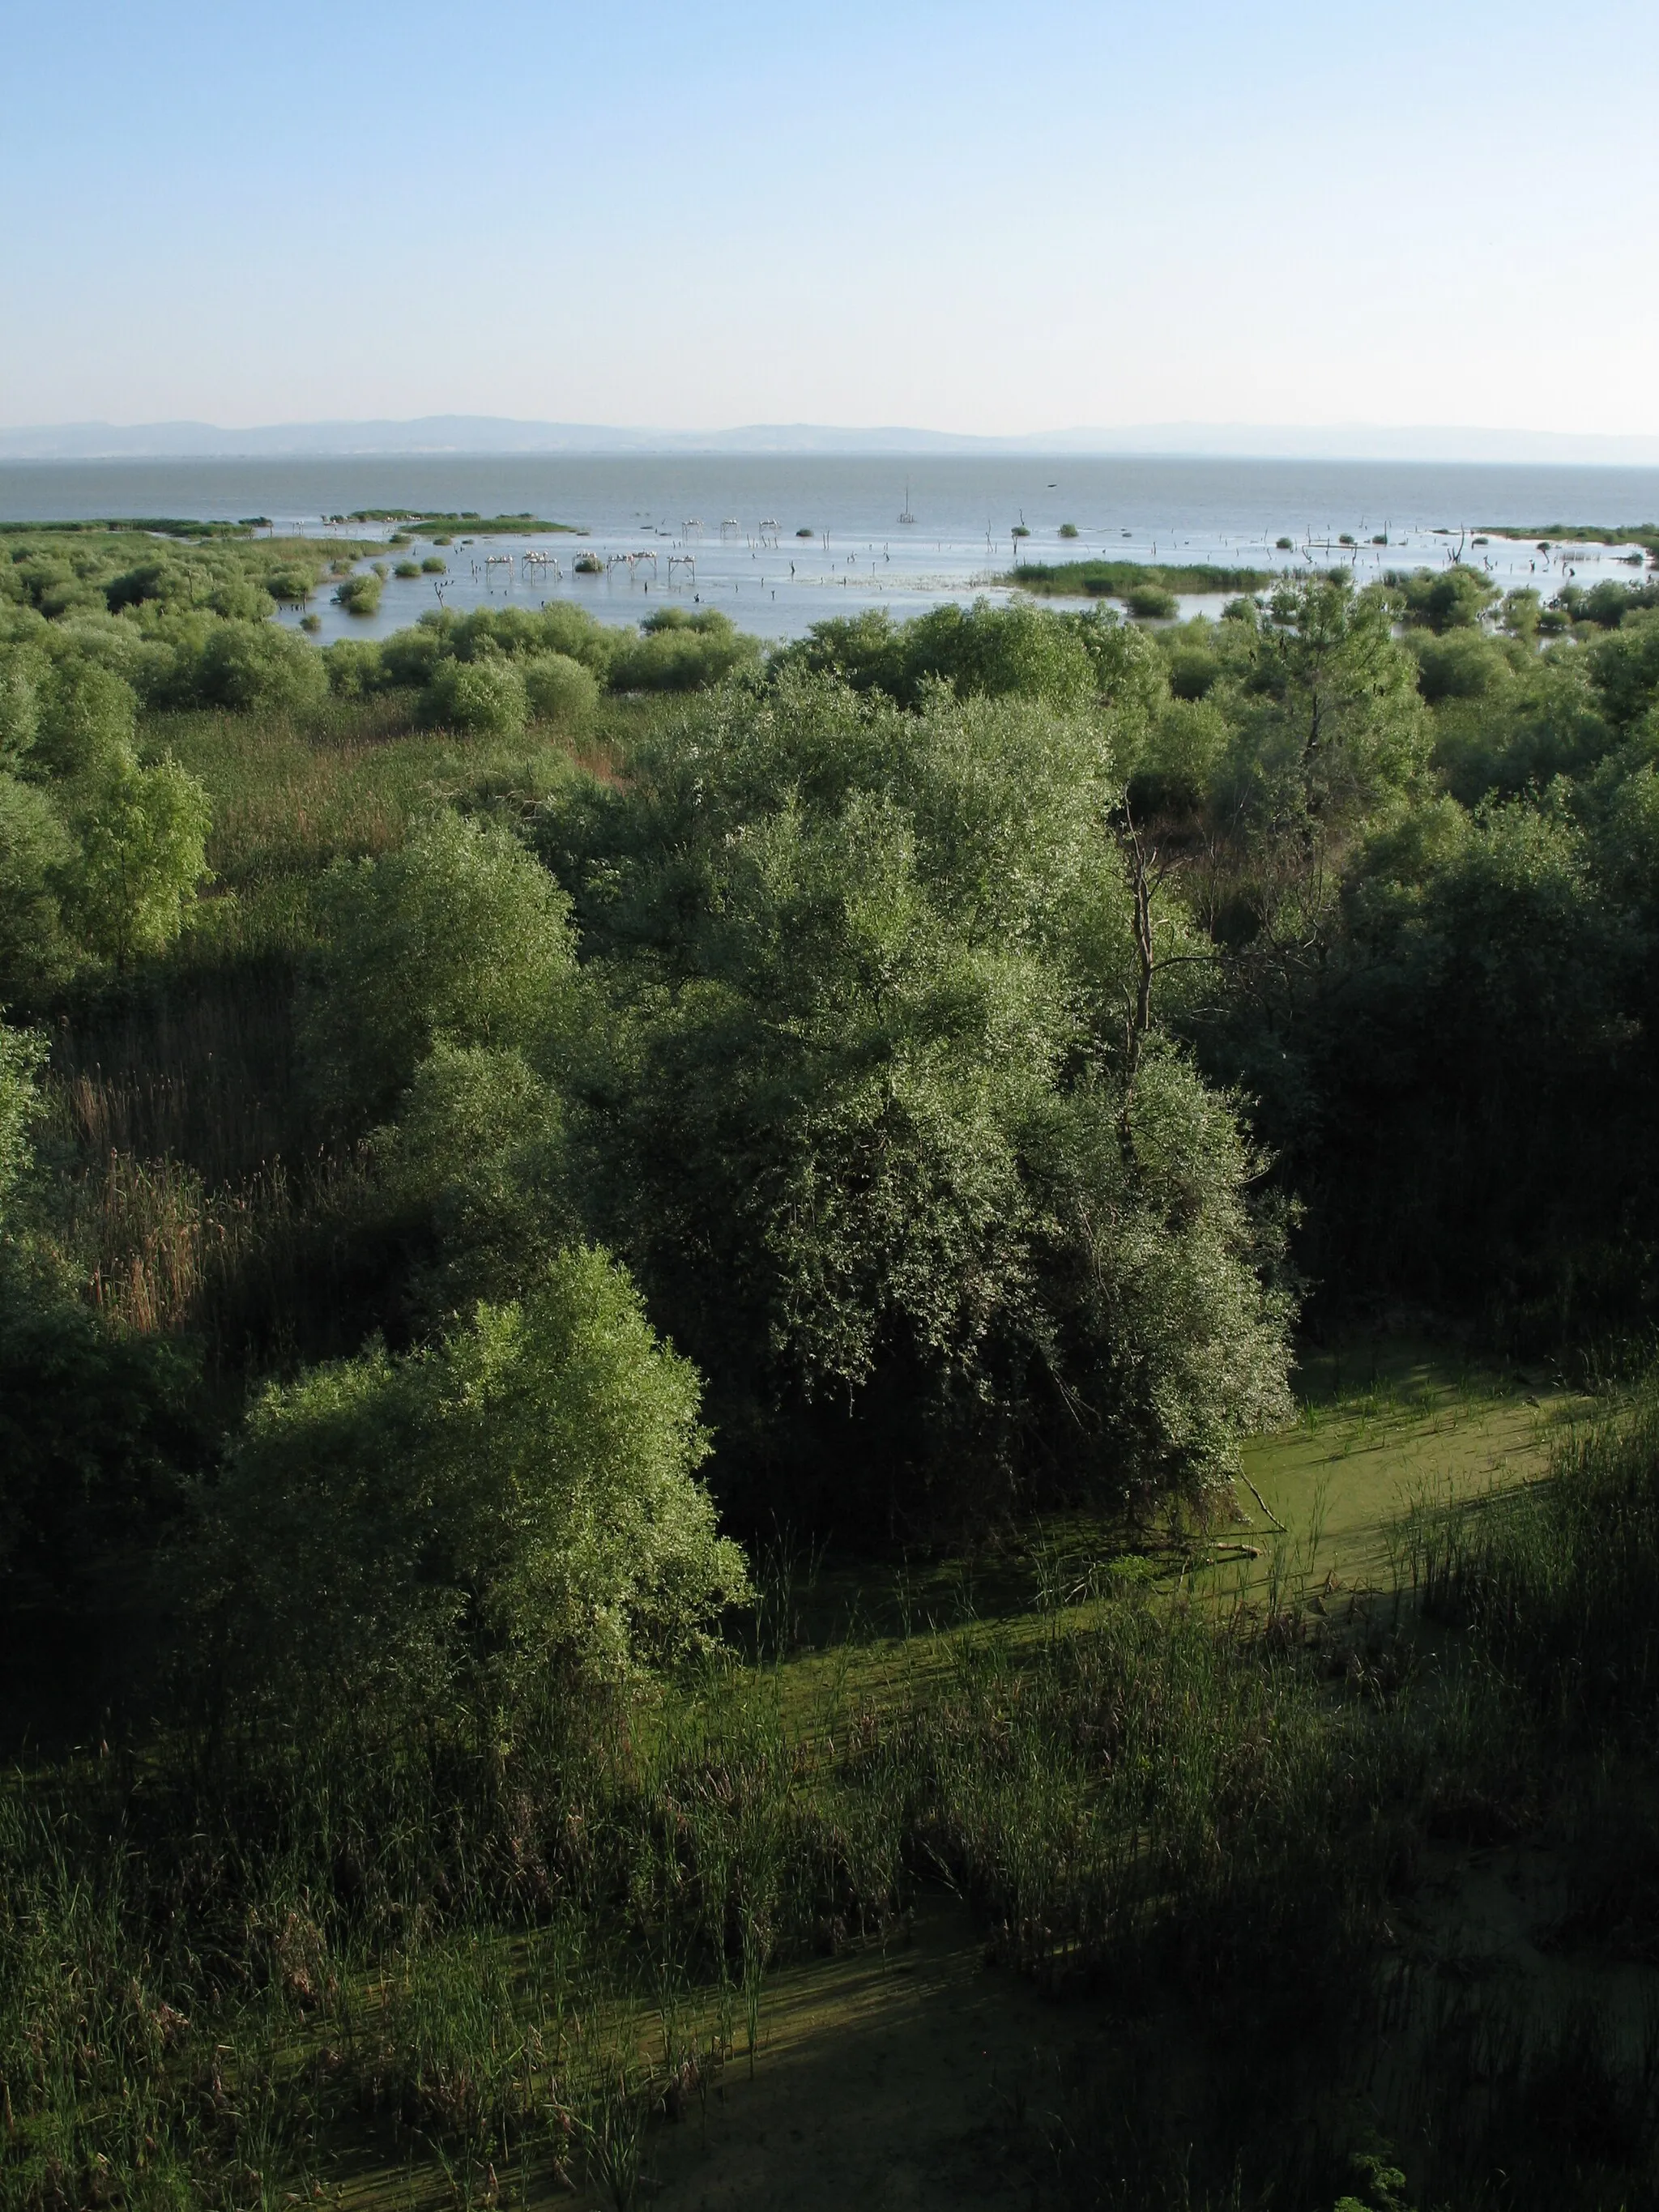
point(479, 437)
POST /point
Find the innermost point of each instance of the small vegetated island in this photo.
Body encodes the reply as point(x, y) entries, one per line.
point(1148, 589)
point(704, 1351)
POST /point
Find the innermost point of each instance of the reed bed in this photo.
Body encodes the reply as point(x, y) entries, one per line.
point(1559, 1582)
point(289, 794)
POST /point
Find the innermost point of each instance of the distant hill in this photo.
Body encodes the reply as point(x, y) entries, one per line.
point(497, 434)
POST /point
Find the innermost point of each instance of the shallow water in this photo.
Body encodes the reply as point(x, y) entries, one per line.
point(729, 522)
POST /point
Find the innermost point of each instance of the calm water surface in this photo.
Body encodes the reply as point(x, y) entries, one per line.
point(728, 523)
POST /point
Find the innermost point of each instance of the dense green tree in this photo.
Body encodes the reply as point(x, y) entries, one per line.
point(866, 1124)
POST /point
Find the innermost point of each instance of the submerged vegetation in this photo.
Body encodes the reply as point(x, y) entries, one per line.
point(639, 1286)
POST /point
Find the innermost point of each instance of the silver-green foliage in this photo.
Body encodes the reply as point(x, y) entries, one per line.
point(882, 1122)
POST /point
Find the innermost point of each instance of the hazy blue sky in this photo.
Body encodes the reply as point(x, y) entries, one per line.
point(974, 217)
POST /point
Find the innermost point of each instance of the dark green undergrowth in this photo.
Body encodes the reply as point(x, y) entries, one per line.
point(248, 1958)
point(233, 1967)
point(342, 1929)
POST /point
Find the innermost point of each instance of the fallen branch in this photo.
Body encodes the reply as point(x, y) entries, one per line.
point(1262, 1502)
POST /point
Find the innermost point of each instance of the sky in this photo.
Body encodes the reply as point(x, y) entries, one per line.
point(1001, 219)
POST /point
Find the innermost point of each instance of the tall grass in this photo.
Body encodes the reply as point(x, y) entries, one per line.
point(1559, 1582)
point(195, 1194)
point(277, 1266)
point(291, 794)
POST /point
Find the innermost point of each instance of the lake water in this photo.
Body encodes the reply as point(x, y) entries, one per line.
point(729, 523)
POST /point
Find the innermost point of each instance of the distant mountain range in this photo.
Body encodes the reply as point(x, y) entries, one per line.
point(496, 433)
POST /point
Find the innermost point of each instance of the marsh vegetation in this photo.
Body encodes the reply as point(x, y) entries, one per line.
point(685, 1331)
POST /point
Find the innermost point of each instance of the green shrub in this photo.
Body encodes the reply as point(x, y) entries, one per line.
point(474, 1525)
point(241, 600)
point(1625, 668)
point(460, 936)
point(982, 651)
point(253, 666)
point(1447, 599)
point(355, 666)
point(21, 677)
point(142, 833)
point(479, 1147)
point(1151, 602)
point(560, 690)
point(835, 1150)
point(359, 595)
point(483, 698)
point(1461, 665)
point(680, 651)
point(99, 1432)
point(292, 587)
point(86, 719)
point(1193, 672)
point(407, 569)
point(410, 656)
point(1520, 611)
point(37, 853)
point(434, 565)
point(21, 1053)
